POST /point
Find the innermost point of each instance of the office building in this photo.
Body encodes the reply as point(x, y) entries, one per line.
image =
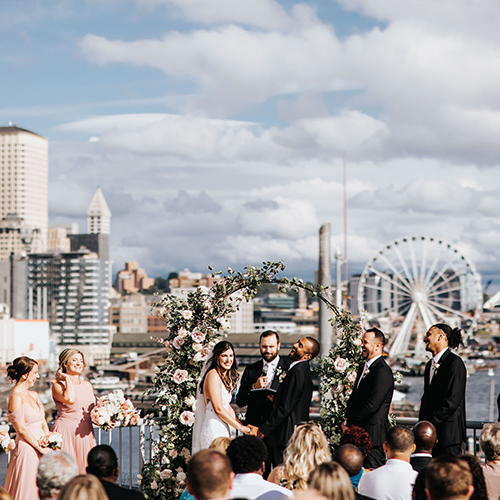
point(132, 279)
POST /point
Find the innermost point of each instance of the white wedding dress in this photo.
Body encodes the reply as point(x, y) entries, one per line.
point(208, 425)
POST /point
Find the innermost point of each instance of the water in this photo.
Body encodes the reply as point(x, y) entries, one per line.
point(477, 394)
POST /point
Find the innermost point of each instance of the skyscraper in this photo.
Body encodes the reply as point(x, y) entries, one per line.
point(24, 178)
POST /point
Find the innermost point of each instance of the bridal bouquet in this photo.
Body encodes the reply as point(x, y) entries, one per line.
point(6, 443)
point(113, 408)
point(51, 440)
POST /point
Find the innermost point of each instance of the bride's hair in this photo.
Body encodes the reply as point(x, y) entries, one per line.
point(230, 377)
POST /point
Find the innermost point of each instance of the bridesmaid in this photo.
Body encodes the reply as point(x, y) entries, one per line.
point(74, 399)
point(27, 415)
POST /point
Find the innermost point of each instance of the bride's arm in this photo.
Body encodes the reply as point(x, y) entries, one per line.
point(212, 392)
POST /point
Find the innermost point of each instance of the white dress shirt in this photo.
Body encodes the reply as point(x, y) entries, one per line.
point(381, 483)
point(254, 487)
point(271, 369)
point(435, 362)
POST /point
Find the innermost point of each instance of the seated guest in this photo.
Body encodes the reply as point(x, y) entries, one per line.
point(351, 459)
point(425, 440)
point(54, 471)
point(209, 475)
point(248, 455)
point(332, 481)
point(82, 487)
point(307, 448)
point(478, 481)
point(103, 463)
point(395, 479)
point(489, 440)
point(448, 478)
point(358, 437)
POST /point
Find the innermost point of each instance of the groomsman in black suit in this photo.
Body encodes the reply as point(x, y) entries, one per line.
point(370, 400)
point(443, 401)
point(267, 373)
point(292, 400)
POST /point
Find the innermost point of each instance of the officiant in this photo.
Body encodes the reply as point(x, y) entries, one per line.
point(260, 382)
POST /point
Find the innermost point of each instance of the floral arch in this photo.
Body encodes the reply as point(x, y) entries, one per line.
point(195, 323)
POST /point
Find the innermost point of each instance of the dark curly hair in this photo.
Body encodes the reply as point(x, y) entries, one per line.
point(246, 454)
point(358, 437)
point(478, 481)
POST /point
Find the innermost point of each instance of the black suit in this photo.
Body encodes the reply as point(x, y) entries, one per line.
point(291, 406)
point(116, 492)
point(368, 407)
point(259, 408)
point(420, 462)
point(443, 403)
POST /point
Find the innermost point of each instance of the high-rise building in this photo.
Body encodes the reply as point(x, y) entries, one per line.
point(132, 279)
point(24, 178)
point(18, 238)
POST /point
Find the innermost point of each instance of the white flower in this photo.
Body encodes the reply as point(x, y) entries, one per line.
point(197, 346)
point(164, 460)
point(178, 342)
point(340, 365)
point(351, 377)
point(182, 333)
point(190, 400)
point(181, 477)
point(187, 418)
point(180, 376)
point(187, 314)
point(154, 486)
point(357, 342)
point(172, 399)
point(198, 336)
point(173, 453)
point(166, 474)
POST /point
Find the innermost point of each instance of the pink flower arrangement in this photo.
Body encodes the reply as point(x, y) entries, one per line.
point(6, 443)
point(187, 418)
point(178, 342)
point(198, 336)
point(180, 376)
point(340, 365)
point(51, 440)
point(113, 408)
point(166, 474)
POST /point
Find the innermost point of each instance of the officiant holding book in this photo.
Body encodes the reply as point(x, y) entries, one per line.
point(261, 380)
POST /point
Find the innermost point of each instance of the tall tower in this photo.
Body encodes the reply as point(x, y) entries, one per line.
point(24, 178)
point(98, 214)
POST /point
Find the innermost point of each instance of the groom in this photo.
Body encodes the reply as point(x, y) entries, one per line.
point(292, 400)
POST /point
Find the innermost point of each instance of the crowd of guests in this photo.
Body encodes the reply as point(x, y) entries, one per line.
point(236, 470)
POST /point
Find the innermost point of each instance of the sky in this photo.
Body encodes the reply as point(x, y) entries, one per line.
point(217, 130)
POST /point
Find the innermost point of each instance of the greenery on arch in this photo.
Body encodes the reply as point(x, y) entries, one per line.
point(196, 322)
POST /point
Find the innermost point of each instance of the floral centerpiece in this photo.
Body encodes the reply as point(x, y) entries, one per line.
point(6, 442)
point(52, 440)
point(114, 408)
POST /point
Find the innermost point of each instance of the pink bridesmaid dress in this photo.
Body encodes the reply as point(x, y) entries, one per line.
point(23, 465)
point(74, 424)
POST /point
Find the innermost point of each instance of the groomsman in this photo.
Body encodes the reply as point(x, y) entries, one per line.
point(267, 373)
point(443, 401)
point(370, 400)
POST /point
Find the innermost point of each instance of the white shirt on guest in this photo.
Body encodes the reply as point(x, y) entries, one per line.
point(253, 486)
point(296, 363)
point(392, 481)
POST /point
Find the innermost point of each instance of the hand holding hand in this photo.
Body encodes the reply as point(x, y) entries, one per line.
point(252, 430)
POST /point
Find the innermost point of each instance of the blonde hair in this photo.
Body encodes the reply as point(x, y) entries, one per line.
point(332, 481)
point(220, 444)
point(84, 487)
point(307, 448)
point(489, 440)
point(66, 355)
point(4, 494)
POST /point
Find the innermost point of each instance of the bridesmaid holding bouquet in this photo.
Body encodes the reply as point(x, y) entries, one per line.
point(74, 399)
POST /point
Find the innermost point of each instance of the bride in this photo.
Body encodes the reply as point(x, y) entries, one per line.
point(218, 382)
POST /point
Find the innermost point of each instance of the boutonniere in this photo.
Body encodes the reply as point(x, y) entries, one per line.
point(436, 367)
point(367, 371)
point(280, 373)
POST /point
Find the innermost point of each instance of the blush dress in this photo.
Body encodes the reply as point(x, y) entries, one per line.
point(23, 465)
point(74, 424)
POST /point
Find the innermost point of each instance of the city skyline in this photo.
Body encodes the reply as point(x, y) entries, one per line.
point(216, 130)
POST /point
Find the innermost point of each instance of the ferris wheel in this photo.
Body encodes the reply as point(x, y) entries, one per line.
point(415, 282)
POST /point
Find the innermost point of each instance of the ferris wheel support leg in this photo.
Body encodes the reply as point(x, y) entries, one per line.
point(400, 344)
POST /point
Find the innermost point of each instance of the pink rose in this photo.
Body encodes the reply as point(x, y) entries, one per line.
point(197, 347)
point(166, 474)
point(340, 365)
point(187, 418)
point(198, 336)
point(352, 377)
point(180, 376)
point(178, 342)
point(182, 333)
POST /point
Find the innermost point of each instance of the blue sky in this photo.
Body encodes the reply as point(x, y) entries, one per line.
point(218, 128)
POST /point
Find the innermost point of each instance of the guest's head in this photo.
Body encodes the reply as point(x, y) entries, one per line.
point(448, 478)
point(103, 462)
point(307, 448)
point(54, 470)
point(23, 369)
point(304, 349)
point(223, 360)
point(478, 481)
point(72, 361)
point(220, 444)
point(86, 487)
point(350, 458)
point(425, 437)
point(489, 440)
point(209, 475)
point(373, 342)
point(358, 437)
point(247, 454)
point(269, 345)
point(332, 481)
point(399, 443)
